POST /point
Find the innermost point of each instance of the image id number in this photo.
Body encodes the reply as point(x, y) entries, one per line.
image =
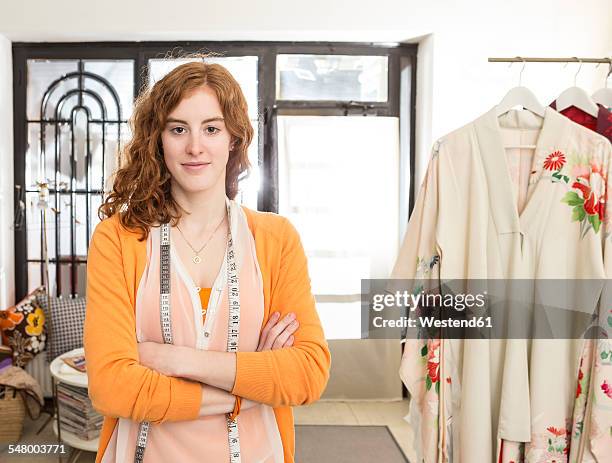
point(36, 448)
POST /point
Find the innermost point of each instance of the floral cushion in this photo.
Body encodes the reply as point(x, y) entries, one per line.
point(23, 328)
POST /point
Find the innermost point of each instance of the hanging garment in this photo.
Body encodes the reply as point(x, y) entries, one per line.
point(602, 124)
point(589, 365)
point(489, 212)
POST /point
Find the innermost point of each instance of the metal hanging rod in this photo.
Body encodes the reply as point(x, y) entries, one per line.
point(520, 59)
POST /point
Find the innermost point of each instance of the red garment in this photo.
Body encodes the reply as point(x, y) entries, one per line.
point(602, 124)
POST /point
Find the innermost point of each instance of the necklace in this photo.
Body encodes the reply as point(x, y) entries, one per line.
point(196, 258)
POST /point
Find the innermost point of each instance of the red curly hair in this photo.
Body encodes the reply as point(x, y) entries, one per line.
point(141, 186)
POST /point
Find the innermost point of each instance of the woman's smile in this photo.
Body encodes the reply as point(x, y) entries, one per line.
point(195, 166)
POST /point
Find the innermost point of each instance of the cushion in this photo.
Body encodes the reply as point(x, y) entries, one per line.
point(24, 329)
point(66, 320)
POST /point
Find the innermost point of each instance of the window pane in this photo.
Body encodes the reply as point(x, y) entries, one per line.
point(244, 70)
point(120, 76)
point(158, 68)
point(34, 223)
point(340, 320)
point(73, 140)
point(80, 223)
point(331, 77)
point(41, 73)
point(249, 187)
point(95, 203)
point(34, 276)
point(339, 184)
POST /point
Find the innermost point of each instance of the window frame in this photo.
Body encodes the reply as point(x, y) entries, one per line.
point(401, 103)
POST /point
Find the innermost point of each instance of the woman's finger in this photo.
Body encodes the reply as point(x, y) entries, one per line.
point(289, 341)
point(284, 336)
point(276, 330)
point(292, 327)
point(264, 333)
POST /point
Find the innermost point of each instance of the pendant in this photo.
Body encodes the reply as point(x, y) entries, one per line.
point(196, 259)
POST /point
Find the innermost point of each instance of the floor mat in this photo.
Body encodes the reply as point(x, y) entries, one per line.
point(354, 444)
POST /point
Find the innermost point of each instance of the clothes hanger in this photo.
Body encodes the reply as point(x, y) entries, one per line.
point(603, 96)
point(520, 96)
point(524, 98)
point(577, 97)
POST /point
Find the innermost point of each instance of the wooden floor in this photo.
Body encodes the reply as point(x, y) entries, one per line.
point(390, 414)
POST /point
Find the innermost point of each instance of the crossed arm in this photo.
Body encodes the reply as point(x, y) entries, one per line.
point(215, 370)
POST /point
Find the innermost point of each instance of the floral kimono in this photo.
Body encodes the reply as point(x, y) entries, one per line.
point(514, 197)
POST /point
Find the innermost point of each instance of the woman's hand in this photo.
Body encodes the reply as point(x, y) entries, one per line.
point(217, 369)
point(278, 333)
point(163, 358)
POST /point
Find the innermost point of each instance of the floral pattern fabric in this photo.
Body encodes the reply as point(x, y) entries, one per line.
point(23, 328)
point(589, 200)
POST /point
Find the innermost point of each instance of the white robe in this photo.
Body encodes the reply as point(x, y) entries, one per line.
point(485, 211)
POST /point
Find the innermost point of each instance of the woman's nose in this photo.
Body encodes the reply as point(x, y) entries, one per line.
point(196, 144)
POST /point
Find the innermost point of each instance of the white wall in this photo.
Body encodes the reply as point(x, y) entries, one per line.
point(7, 283)
point(456, 83)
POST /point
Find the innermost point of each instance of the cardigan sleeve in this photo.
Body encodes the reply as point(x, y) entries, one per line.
point(118, 385)
point(294, 375)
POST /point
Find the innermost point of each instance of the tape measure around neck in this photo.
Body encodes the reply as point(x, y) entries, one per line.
point(233, 328)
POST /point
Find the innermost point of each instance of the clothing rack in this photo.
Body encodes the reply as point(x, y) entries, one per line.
point(520, 59)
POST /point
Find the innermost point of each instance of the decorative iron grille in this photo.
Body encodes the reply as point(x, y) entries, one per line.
point(71, 151)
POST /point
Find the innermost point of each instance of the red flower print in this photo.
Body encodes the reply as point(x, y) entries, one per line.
point(591, 205)
point(554, 161)
point(556, 431)
point(433, 361)
point(606, 388)
point(585, 189)
point(580, 376)
point(433, 370)
point(601, 208)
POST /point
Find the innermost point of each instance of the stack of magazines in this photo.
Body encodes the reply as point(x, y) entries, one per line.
point(77, 416)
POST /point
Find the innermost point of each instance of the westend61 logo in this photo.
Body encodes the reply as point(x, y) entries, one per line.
point(404, 298)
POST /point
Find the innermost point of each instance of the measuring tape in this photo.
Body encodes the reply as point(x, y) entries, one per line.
point(233, 328)
point(233, 334)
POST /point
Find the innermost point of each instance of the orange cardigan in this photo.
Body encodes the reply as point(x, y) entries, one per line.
point(120, 387)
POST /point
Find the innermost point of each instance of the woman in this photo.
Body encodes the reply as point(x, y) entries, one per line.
point(160, 336)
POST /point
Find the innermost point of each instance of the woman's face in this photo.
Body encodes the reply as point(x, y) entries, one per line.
point(196, 143)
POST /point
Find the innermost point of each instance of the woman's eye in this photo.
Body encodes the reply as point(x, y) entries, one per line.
point(212, 130)
point(178, 130)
